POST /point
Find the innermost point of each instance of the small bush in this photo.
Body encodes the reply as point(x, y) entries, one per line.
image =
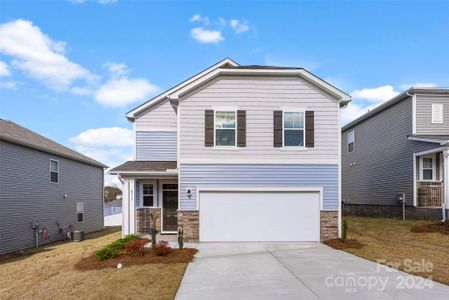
point(106, 253)
point(162, 248)
point(181, 238)
point(344, 229)
point(136, 247)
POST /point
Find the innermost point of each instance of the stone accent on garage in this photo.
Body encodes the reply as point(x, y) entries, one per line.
point(143, 219)
point(189, 220)
point(328, 225)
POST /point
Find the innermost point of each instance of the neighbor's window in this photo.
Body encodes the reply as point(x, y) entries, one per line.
point(437, 113)
point(147, 195)
point(79, 212)
point(54, 171)
point(350, 140)
point(427, 168)
point(293, 129)
point(225, 128)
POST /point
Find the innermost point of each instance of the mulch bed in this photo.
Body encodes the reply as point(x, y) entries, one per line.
point(340, 245)
point(176, 256)
point(440, 227)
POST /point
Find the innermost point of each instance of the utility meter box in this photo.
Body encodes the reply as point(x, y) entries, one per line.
point(401, 198)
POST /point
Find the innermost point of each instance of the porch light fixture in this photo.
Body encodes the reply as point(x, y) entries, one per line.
point(189, 193)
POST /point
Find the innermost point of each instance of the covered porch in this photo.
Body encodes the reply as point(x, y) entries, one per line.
point(149, 189)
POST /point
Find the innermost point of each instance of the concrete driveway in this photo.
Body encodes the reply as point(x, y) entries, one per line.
point(296, 271)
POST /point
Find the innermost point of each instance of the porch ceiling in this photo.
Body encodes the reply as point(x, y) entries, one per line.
point(145, 166)
point(439, 139)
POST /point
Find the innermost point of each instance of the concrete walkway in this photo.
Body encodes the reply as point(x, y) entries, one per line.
point(296, 271)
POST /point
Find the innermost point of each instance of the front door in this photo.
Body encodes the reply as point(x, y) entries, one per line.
point(169, 207)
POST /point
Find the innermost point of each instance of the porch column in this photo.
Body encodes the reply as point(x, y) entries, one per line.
point(128, 207)
point(446, 178)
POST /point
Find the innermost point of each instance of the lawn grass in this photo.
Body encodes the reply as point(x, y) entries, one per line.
point(49, 273)
point(392, 240)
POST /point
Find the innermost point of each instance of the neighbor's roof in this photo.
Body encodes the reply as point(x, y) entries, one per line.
point(144, 166)
point(439, 139)
point(16, 134)
point(411, 91)
point(230, 67)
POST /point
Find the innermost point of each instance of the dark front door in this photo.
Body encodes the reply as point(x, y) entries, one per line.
point(170, 207)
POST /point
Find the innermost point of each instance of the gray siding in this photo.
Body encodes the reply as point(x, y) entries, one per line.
point(26, 194)
point(382, 164)
point(424, 123)
point(255, 175)
point(156, 145)
point(161, 115)
point(259, 96)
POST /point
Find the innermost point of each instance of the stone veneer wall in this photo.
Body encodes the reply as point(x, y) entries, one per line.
point(143, 219)
point(189, 220)
point(328, 225)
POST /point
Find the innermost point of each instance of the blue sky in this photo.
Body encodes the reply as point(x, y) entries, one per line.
point(70, 70)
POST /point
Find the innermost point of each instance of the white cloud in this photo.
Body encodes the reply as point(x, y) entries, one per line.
point(110, 136)
point(81, 91)
point(199, 18)
point(37, 55)
point(239, 26)
point(406, 86)
point(378, 94)
point(124, 91)
point(206, 36)
point(10, 85)
point(116, 69)
point(4, 71)
point(353, 111)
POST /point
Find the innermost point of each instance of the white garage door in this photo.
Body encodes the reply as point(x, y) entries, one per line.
point(259, 216)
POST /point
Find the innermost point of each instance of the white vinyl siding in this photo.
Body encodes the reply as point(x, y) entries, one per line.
point(161, 116)
point(259, 97)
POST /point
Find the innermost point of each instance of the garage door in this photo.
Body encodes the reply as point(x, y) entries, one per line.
point(259, 216)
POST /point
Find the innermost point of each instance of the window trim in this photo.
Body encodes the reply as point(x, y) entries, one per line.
point(82, 221)
point(440, 118)
point(50, 171)
point(223, 109)
point(353, 142)
point(141, 195)
point(421, 168)
point(303, 129)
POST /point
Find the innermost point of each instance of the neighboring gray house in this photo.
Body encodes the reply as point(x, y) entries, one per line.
point(42, 181)
point(402, 146)
point(237, 153)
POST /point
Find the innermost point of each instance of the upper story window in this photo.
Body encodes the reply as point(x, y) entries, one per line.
point(293, 129)
point(437, 113)
point(147, 195)
point(225, 128)
point(428, 168)
point(350, 141)
point(54, 171)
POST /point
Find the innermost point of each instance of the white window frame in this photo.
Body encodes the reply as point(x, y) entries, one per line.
point(78, 212)
point(437, 119)
point(353, 141)
point(154, 194)
point(215, 128)
point(303, 129)
point(421, 169)
point(57, 161)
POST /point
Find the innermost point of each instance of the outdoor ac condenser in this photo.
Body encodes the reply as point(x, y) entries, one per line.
point(76, 236)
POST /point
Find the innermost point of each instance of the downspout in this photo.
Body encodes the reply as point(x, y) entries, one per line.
point(445, 185)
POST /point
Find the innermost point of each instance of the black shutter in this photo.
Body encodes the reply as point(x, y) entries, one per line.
point(310, 129)
point(241, 128)
point(209, 128)
point(277, 128)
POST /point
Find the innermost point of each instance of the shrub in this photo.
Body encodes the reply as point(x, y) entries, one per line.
point(106, 253)
point(162, 248)
point(136, 247)
point(122, 242)
point(181, 238)
point(344, 229)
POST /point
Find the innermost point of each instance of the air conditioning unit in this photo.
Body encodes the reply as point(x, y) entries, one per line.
point(76, 235)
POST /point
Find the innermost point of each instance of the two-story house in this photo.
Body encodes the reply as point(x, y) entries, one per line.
point(402, 146)
point(237, 153)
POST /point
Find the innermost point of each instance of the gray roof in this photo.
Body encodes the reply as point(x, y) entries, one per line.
point(393, 101)
point(256, 67)
point(16, 134)
point(142, 166)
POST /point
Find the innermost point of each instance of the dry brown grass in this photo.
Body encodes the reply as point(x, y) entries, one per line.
point(50, 274)
point(393, 241)
point(340, 245)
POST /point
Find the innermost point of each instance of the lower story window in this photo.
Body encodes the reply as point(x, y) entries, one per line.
point(80, 212)
point(147, 195)
point(427, 168)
